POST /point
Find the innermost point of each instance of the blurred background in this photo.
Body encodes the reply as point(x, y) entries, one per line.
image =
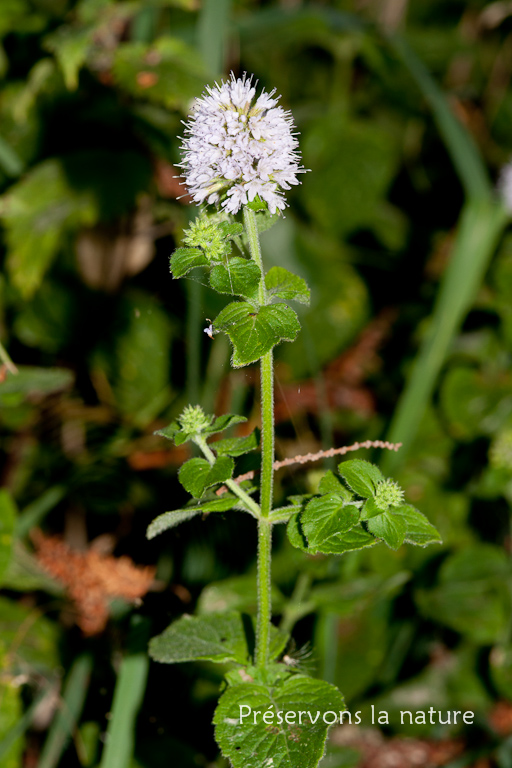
point(404, 111)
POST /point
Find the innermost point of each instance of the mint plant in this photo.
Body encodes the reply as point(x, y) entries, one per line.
point(239, 156)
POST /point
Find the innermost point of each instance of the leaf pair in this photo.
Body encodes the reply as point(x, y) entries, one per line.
point(337, 521)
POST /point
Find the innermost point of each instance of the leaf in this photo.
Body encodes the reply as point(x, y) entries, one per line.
point(36, 381)
point(70, 47)
point(329, 483)
point(185, 259)
point(361, 476)
point(37, 648)
point(296, 534)
point(218, 637)
point(419, 530)
point(7, 523)
point(168, 72)
point(11, 709)
point(224, 422)
point(229, 230)
point(388, 527)
point(171, 519)
point(326, 517)
point(471, 583)
point(196, 475)
point(236, 593)
point(281, 745)
point(37, 212)
point(253, 332)
point(240, 277)
point(236, 446)
point(282, 284)
point(355, 538)
point(265, 220)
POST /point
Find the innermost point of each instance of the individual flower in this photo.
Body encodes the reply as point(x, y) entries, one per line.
point(236, 148)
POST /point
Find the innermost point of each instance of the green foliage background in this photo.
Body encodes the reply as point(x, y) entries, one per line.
point(404, 113)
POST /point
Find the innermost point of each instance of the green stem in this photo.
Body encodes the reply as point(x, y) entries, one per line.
point(264, 592)
point(6, 360)
point(267, 462)
point(242, 495)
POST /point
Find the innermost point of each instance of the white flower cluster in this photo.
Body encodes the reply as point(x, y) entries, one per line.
point(235, 149)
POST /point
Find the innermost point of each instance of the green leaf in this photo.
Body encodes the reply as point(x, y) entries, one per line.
point(32, 381)
point(265, 220)
point(355, 538)
point(229, 230)
point(218, 637)
point(7, 523)
point(389, 527)
point(70, 47)
point(472, 583)
point(11, 708)
point(296, 534)
point(185, 259)
point(236, 593)
point(196, 475)
point(282, 284)
point(257, 204)
point(329, 483)
point(37, 649)
point(236, 446)
point(240, 277)
point(361, 476)
point(326, 517)
point(174, 72)
point(289, 744)
point(419, 530)
point(254, 331)
point(224, 422)
point(171, 519)
point(37, 213)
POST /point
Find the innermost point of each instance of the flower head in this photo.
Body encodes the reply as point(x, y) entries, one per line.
point(194, 420)
point(388, 494)
point(236, 147)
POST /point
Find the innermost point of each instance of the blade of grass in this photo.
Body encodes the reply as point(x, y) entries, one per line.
point(459, 142)
point(21, 726)
point(64, 723)
point(35, 512)
point(128, 695)
point(481, 225)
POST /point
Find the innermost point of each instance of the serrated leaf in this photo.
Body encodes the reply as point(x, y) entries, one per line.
point(171, 519)
point(280, 745)
point(224, 422)
point(185, 259)
point(296, 534)
point(370, 509)
point(389, 527)
point(240, 277)
point(266, 220)
point(325, 517)
point(330, 484)
point(356, 538)
point(230, 230)
point(236, 446)
point(257, 204)
point(361, 476)
point(419, 530)
point(169, 432)
point(8, 514)
point(218, 637)
point(282, 284)
point(254, 331)
point(196, 475)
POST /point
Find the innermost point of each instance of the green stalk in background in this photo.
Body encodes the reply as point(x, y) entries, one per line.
point(482, 223)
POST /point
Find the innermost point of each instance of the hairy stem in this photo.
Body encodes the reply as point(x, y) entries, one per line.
point(267, 463)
